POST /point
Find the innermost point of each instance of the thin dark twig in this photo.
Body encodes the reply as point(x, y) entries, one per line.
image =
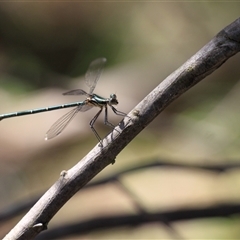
point(162, 217)
point(223, 46)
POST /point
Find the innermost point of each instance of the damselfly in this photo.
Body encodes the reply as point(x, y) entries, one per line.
point(92, 100)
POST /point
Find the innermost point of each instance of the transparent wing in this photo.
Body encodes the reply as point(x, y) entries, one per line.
point(93, 73)
point(85, 108)
point(62, 122)
point(76, 92)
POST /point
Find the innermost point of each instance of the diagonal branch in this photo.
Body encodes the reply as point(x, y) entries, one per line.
point(224, 45)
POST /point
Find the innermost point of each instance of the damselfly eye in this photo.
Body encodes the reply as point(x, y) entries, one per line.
point(113, 96)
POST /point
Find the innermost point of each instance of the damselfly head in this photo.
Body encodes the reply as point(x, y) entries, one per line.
point(113, 99)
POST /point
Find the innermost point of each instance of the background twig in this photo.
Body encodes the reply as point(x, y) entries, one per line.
point(20, 207)
point(165, 217)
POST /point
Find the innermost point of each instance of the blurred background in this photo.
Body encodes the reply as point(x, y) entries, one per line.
point(45, 50)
